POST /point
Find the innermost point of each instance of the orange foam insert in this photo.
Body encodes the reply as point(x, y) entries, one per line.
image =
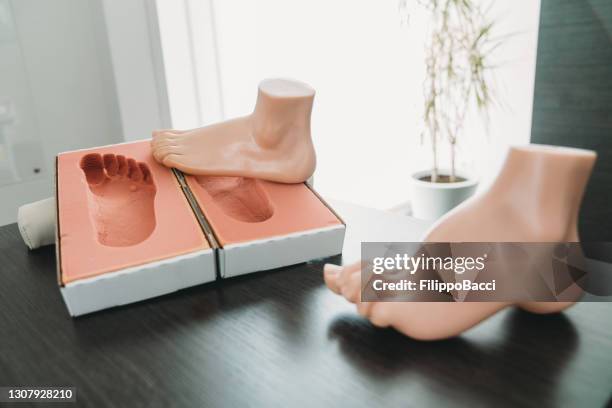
point(119, 208)
point(241, 210)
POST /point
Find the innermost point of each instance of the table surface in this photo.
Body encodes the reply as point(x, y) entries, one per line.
point(280, 338)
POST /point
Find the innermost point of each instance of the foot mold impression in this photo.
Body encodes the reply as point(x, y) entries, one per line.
point(121, 198)
point(240, 198)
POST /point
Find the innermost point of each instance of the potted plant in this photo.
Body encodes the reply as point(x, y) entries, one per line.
point(456, 80)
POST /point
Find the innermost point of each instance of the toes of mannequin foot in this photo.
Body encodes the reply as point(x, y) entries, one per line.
point(172, 160)
point(156, 155)
point(364, 308)
point(164, 133)
point(160, 153)
point(345, 281)
point(422, 321)
point(330, 275)
point(351, 287)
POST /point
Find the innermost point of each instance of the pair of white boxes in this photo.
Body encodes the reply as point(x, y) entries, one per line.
point(267, 244)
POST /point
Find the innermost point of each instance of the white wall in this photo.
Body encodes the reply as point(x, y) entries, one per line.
point(137, 66)
point(65, 76)
point(82, 73)
point(368, 70)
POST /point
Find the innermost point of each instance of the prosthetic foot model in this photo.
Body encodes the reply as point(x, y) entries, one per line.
point(536, 198)
point(272, 143)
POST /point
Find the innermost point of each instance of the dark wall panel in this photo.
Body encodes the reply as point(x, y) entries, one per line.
point(573, 96)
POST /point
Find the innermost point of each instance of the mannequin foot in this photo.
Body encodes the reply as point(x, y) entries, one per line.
point(121, 199)
point(272, 143)
point(536, 198)
point(422, 320)
point(241, 198)
point(419, 320)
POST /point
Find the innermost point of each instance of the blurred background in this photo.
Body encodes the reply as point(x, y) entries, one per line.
point(83, 73)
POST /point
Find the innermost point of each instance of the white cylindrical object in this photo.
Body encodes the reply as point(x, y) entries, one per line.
point(36, 223)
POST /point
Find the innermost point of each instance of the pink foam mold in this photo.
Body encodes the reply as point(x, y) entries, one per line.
point(118, 208)
point(242, 209)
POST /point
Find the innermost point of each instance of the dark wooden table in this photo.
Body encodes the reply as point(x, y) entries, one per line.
point(280, 338)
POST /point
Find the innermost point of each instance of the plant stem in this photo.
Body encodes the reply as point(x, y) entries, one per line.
point(452, 178)
point(457, 62)
point(434, 170)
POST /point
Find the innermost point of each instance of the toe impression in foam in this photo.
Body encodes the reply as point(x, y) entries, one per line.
point(240, 198)
point(93, 167)
point(121, 206)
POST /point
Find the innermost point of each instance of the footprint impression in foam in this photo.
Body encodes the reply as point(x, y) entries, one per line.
point(121, 198)
point(240, 198)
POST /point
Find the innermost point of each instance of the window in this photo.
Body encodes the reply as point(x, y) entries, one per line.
point(367, 68)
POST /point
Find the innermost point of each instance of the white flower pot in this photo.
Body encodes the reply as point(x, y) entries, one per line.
point(432, 200)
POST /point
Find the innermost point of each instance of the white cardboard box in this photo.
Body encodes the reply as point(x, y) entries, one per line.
point(276, 252)
point(139, 283)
